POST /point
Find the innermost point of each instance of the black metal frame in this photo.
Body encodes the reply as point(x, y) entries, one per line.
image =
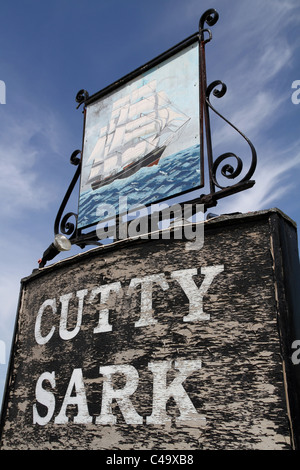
point(216, 190)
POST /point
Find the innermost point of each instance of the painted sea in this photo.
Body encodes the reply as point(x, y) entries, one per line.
point(173, 175)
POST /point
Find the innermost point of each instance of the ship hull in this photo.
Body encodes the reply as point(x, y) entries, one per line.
point(148, 160)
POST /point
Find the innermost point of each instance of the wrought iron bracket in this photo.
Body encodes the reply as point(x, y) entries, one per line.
point(221, 164)
point(218, 191)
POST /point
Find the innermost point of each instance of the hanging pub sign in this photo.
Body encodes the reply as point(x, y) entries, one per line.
point(143, 143)
point(141, 140)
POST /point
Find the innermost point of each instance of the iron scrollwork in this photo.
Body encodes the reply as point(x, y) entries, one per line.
point(81, 97)
point(227, 170)
point(61, 224)
point(65, 226)
point(218, 89)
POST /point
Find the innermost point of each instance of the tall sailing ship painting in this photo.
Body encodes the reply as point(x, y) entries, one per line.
point(142, 125)
point(140, 140)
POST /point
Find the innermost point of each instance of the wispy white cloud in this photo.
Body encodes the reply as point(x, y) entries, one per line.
point(29, 137)
point(261, 56)
point(23, 186)
point(274, 181)
point(252, 118)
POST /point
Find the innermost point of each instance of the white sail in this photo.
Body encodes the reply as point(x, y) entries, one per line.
point(112, 125)
point(120, 103)
point(163, 117)
point(110, 164)
point(98, 152)
point(163, 98)
point(108, 144)
point(140, 123)
point(118, 138)
point(95, 171)
point(150, 128)
point(175, 117)
point(135, 151)
point(123, 117)
point(144, 91)
point(141, 107)
point(103, 131)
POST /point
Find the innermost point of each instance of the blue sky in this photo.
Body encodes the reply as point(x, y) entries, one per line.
point(50, 50)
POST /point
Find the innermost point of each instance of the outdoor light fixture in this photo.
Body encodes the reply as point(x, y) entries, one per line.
point(62, 243)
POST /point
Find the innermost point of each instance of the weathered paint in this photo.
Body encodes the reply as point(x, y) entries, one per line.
point(184, 278)
point(151, 346)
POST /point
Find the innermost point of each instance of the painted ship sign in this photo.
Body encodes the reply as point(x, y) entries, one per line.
point(141, 140)
point(141, 127)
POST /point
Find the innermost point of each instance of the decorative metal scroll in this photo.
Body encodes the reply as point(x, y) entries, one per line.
point(210, 17)
point(66, 224)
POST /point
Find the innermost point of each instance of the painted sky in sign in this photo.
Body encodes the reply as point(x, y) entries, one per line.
point(50, 50)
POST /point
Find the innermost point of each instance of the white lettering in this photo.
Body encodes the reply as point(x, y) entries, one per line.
point(120, 395)
point(296, 354)
point(45, 397)
point(109, 294)
point(139, 227)
point(122, 460)
point(106, 229)
point(122, 226)
point(37, 330)
point(193, 293)
point(162, 392)
point(64, 299)
point(194, 231)
point(176, 211)
point(295, 95)
point(146, 283)
point(104, 291)
point(2, 352)
point(79, 399)
point(2, 92)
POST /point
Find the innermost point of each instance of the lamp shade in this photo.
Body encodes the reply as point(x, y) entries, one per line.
point(62, 243)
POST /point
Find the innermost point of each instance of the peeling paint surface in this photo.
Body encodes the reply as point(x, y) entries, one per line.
point(157, 360)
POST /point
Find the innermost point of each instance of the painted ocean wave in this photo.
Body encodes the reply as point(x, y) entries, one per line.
point(173, 175)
